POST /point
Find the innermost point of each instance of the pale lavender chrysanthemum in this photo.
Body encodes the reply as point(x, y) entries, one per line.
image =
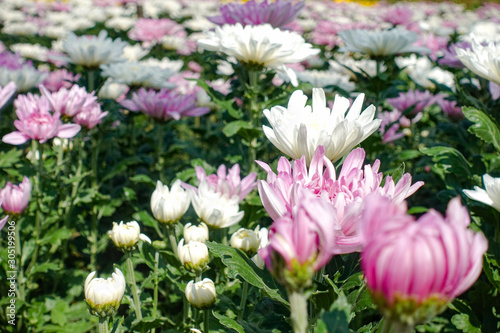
point(6, 93)
point(164, 104)
point(417, 99)
point(69, 102)
point(277, 14)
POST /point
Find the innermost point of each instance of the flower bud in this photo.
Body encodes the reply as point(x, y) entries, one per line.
point(201, 295)
point(103, 296)
point(169, 206)
point(194, 255)
point(196, 233)
point(125, 236)
point(263, 242)
point(16, 197)
point(246, 240)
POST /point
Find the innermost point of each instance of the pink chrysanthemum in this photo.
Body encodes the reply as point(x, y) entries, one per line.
point(164, 104)
point(277, 14)
point(153, 30)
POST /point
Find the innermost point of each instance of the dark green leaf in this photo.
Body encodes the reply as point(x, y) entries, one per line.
point(238, 264)
point(233, 127)
point(484, 127)
point(228, 322)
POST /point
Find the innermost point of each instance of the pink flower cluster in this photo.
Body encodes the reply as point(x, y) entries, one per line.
point(345, 193)
point(15, 198)
point(36, 122)
point(415, 260)
point(152, 31)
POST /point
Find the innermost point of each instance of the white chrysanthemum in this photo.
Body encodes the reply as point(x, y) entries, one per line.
point(214, 208)
point(25, 78)
point(137, 74)
point(342, 62)
point(196, 233)
point(299, 129)
point(201, 294)
point(31, 51)
point(103, 296)
point(168, 206)
point(125, 236)
point(482, 60)
point(260, 45)
point(246, 240)
point(490, 196)
point(164, 63)
point(381, 43)
point(193, 255)
point(422, 71)
point(134, 52)
point(21, 29)
point(93, 51)
point(120, 23)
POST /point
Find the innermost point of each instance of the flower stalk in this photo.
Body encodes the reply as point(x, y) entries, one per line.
point(133, 286)
point(206, 321)
point(395, 326)
point(243, 302)
point(298, 310)
point(103, 325)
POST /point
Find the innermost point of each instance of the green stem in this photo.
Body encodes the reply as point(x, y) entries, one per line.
point(20, 264)
point(198, 276)
point(37, 147)
point(172, 238)
point(103, 325)
point(94, 232)
point(394, 326)
point(298, 311)
point(90, 80)
point(133, 286)
point(159, 159)
point(155, 295)
point(206, 321)
point(243, 301)
point(185, 311)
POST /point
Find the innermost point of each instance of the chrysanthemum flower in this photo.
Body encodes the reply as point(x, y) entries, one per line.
point(277, 14)
point(137, 74)
point(299, 129)
point(381, 43)
point(164, 104)
point(482, 60)
point(260, 46)
point(152, 30)
point(6, 93)
point(490, 195)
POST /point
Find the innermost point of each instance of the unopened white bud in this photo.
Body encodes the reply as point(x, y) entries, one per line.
point(194, 255)
point(201, 294)
point(196, 233)
point(125, 236)
point(246, 240)
point(168, 206)
point(103, 296)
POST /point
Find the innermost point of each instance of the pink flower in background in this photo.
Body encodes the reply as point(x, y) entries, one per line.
point(15, 198)
point(277, 14)
point(229, 182)
point(60, 78)
point(419, 100)
point(36, 122)
point(449, 107)
point(398, 15)
point(492, 87)
point(449, 57)
point(90, 117)
point(434, 43)
point(346, 193)
point(6, 93)
point(304, 239)
point(164, 104)
point(390, 125)
point(3, 221)
point(408, 262)
point(69, 102)
point(151, 31)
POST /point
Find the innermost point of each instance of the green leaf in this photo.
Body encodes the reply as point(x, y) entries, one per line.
point(217, 98)
point(238, 264)
point(44, 268)
point(448, 159)
point(142, 178)
point(228, 322)
point(148, 323)
point(484, 127)
point(337, 319)
point(58, 313)
point(8, 159)
point(233, 127)
point(491, 269)
point(462, 322)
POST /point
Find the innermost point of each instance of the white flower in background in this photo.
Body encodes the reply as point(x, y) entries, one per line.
point(482, 60)
point(136, 74)
point(260, 45)
point(120, 23)
point(164, 63)
point(322, 79)
point(202, 294)
point(193, 233)
point(342, 62)
point(421, 70)
point(55, 31)
point(112, 90)
point(214, 208)
point(193, 255)
point(93, 51)
point(490, 196)
point(263, 242)
point(483, 32)
point(31, 51)
point(25, 78)
point(299, 129)
point(103, 296)
point(125, 236)
point(168, 206)
point(21, 29)
point(134, 52)
point(246, 240)
point(380, 43)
